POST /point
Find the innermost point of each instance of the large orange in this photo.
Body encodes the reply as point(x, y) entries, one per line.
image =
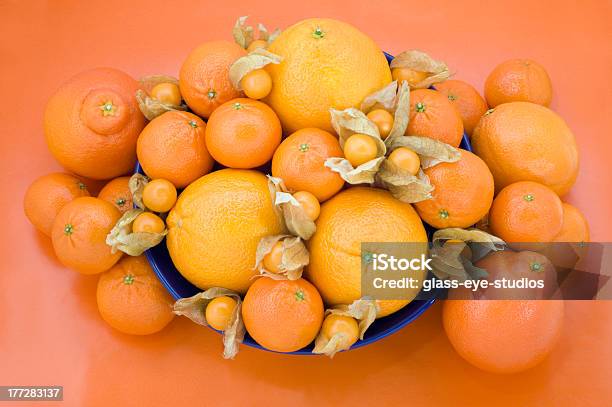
point(463, 193)
point(575, 227)
point(132, 300)
point(79, 235)
point(118, 193)
point(243, 133)
point(282, 315)
point(518, 80)
point(92, 123)
point(432, 115)
point(300, 159)
point(356, 215)
point(503, 336)
point(326, 63)
point(173, 147)
point(47, 195)
point(204, 76)
point(216, 225)
point(467, 100)
point(522, 141)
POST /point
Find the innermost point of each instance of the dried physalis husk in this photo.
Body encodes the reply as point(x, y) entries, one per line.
point(149, 106)
point(293, 260)
point(243, 34)
point(121, 236)
point(248, 63)
point(267, 36)
point(296, 221)
point(402, 184)
point(346, 123)
point(396, 102)
point(363, 310)
point(194, 308)
point(136, 185)
point(433, 71)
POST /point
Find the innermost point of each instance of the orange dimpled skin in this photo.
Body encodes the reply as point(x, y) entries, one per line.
point(575, 227)
point(462, 195)
point(243, 133)
point(118, 193)
point(92, 122)
point(173, 147)
point(526, 212)
point(300, 159)
point(204, 76)
point(132, 300)
point(47, 195)
point(79, 235)
point(432, 115)
point(518, 80)
point(466, 99)
point(282, 315)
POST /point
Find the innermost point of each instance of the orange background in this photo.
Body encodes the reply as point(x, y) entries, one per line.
point(50, 331)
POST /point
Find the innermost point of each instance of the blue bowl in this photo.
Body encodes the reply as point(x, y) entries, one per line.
point(179, 287)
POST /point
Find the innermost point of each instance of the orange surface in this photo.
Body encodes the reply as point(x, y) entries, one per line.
point(50, 330)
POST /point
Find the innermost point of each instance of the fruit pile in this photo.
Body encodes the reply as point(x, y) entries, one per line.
point(270, 159)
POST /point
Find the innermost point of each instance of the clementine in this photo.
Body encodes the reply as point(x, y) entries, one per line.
point(118, 193)
point(432, 115)
point(518, 80)
point(467, 100)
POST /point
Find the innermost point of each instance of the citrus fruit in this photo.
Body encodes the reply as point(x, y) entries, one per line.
point(79, 235)
point(257, 84)
point(274, 258)
point(148, 222)
point(466, 99)
point(432, 115)
point(159, 195)
point(462, 195)
point(503, 336)
point(356, 215)
point(219, 312)
point(383, 120)
point(204, 76)
point(359, 149)
point(132, 300)
point(518, 80)
point(346, 326)
point(167, 93)
point(243, 133)
point(310, 204)
point(526, 212)
point(575, 227)
point(118, 193)
point(47, 195)
point(282, 315)
point(173, 147)
point(216, 225)
point(522, 141)
point(406, 159)
point(92, 122)
point(300, 159)
point(326, 63)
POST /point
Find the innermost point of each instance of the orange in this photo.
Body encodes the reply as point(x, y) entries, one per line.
point(356, 215)
point(522, 141)
point(526, 212)
point(462, 195)
point(118, 193)
point(148, 222)
point(79, 235)
point(47, 195)
point(575, 227)
point(432, 115)
point(204, 77)
point(173, 147)
point(310, 204)
point(282, 315)
point(467, 100)
point(219, 312)
point(359, 149)
point(518, 80)
point(326, 63)
point(243, 133)
point(92, 122)
point(159, 195)
point(216, 225)
point(167, 93)
point(383, 120)
point(257, 84)
point(406, 159)
point(274, 258)
point(132, 300)
point(503, 336)
point(340, 324)
point(300, 159)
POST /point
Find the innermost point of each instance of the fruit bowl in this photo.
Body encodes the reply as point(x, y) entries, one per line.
point(179, 287)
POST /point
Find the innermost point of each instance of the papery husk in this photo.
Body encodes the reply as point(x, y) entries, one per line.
point(363, 310)
point(437, 71)
point(194, 308)
point(431, 152)
point(248, 63)
point(149, 106)
point(363, 174)
point(266, 35)
point(122, 238)
point(293, 260)
point(242, 33)
point(136, 185)
point(396, 102)
point(402, 184)
point(294, 216)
